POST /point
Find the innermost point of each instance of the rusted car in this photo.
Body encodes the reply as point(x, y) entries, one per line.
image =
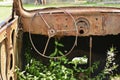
point(83, 31)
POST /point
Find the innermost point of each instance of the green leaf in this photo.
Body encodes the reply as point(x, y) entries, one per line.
point(60, 53)
point(56, 42)
point(60, 45)
point(54, 53)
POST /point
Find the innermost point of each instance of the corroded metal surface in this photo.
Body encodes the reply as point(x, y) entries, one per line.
point(52, 22)
point(7, 55)
point(96, 23)
point(66, 21)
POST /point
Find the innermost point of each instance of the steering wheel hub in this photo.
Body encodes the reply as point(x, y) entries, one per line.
point(51, 32)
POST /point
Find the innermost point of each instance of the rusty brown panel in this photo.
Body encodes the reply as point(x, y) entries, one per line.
point(111, 24)
point(3, 59)
point(53, 22)
point(93, 25)
point(64, 25)
point(2, 36)
point(6, 34)
point(10, 50)
point(17, 49)
point(3, 31)
point(10, 57)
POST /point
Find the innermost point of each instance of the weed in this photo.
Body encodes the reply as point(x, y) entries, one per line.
point(56, 69)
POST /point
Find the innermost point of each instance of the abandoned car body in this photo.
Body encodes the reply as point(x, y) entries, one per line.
point(72, 23)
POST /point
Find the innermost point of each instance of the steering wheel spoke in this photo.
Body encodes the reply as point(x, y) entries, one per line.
point(66, 30)
point(47, 43)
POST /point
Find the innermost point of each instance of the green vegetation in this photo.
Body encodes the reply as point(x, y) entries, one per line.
point(31, 6)
point(63, 68)
point(6, 10)
point(117, 77)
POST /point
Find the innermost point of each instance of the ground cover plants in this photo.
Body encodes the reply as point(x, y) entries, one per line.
point(59, 69)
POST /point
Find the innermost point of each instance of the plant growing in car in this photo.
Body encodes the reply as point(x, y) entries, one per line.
point(58, 68)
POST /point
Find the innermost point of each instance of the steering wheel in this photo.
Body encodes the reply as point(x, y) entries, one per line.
point(52, 32)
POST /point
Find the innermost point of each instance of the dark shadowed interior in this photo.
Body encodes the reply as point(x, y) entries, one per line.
point(100, 46)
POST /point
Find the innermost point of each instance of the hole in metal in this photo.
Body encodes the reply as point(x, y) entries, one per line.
point(81, 31)
point(11, 78)
point(96, 19)
point(12, 36)
point(11, 61)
